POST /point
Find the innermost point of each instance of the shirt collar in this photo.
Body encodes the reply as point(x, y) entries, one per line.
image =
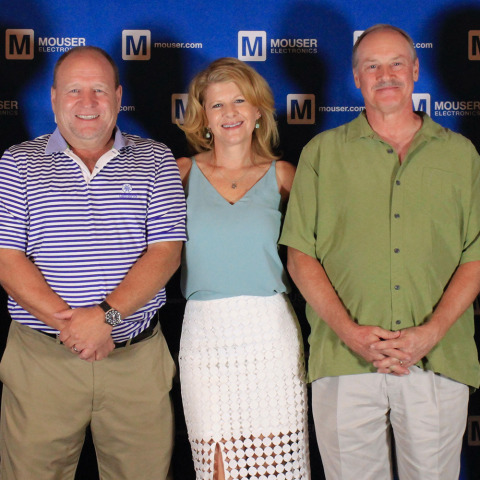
point(57, 143)
point(360, 128)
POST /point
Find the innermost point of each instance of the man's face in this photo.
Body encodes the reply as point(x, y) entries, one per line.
point(386, 72)
point(85, 100)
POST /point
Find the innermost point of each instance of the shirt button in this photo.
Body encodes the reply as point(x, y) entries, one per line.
point(390, 150)
point(397, 287)
point(397, 182)
point(396, 250)
point(396, 215)
point(398, 322)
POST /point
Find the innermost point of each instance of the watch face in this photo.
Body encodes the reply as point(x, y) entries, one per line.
point(113, 317)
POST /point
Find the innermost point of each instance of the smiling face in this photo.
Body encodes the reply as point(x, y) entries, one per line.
point(230, 117)
point(386, 72)
point(85, 101)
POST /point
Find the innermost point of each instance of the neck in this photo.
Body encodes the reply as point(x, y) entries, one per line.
point(398, 130)
point(90, 156)
point(233, 157)
point(397, 125)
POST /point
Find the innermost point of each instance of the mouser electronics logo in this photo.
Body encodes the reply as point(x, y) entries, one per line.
point(136, 44)
point(300, 109)
point(179, 104)
point(253, 45)
point(422, 102)
point(19, 44)
point(474, 45)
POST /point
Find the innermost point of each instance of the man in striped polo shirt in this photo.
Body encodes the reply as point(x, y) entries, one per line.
point(92, 222)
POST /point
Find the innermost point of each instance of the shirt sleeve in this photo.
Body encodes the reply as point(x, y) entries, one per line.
point(166, 210)
point(13, 212)
point(471, 249)
point(300, 226)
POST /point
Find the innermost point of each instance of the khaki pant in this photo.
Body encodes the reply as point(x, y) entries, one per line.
point(50, 396)
point(353, 415)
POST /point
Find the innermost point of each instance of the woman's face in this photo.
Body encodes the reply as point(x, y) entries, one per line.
point(229, 115)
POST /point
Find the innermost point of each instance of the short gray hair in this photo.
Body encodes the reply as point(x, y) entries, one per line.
point(380, 27)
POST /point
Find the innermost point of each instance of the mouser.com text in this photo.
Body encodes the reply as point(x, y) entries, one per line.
point(177, 45)
point(342, 109)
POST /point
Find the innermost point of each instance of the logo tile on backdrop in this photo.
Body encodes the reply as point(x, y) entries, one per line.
point(474, 45)
point(136, 44)
point(252, 46)
point(179, 103)
point(422, 102)
point(300, 109)
point(19, 44)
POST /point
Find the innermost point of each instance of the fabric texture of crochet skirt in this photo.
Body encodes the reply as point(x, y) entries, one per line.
point(242, 379)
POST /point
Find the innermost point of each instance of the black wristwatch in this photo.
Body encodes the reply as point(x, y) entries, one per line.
point(112, 316)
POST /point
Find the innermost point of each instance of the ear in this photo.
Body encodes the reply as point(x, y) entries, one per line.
point(53, 96)
point(118, 95)
point(416, 70)
point(355, 78)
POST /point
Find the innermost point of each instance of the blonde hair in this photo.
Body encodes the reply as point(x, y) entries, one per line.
point(256, 91)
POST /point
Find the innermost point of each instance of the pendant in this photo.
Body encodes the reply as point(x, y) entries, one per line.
point(234, 184)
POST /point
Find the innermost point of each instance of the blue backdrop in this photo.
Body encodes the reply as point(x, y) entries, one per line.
point(302, 48)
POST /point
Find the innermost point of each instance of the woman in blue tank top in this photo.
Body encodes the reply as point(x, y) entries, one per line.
point(241, 359)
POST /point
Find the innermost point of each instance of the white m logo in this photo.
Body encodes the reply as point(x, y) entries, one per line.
point(421, 102)
point(179, 104)
point(252, 46)
point(136, 44)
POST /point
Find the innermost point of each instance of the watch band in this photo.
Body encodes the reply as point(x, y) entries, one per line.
point(105, 306)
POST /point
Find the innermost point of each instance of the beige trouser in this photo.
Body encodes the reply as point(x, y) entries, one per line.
point(353, 415)
point(50, 396)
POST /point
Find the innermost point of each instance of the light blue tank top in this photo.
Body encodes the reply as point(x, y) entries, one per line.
point(232, 249)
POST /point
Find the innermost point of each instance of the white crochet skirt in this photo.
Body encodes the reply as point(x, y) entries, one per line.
point(242, 378)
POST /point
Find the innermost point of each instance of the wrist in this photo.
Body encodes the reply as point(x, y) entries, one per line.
point(112, 316)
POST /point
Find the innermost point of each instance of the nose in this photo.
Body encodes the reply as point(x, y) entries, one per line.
point(231, 109)
point(88, 98)
point(384, 71)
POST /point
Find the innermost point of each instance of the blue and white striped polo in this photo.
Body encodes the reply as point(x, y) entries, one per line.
point(84, 234)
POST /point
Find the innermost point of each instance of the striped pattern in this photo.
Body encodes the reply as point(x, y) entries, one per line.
point(84, 237)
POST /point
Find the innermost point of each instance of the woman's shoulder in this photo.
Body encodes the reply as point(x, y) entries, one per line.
point(285, 173)
point(184, 166)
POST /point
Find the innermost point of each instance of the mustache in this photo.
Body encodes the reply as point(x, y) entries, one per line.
point(387, 84)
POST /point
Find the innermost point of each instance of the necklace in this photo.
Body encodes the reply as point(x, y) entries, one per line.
point(234, 183)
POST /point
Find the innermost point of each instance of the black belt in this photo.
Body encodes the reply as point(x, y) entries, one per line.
point(141, 336)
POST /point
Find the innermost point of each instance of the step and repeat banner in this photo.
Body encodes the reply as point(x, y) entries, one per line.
point(302, 48)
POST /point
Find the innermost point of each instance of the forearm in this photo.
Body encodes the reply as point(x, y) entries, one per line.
point(24, 282)
point(147, 276)
point(313, 283)
point(458, 296)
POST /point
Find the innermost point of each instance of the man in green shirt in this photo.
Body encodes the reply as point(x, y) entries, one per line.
point(383, 230)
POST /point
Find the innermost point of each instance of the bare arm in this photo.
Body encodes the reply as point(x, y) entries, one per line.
point(312, 281)
point(24, 282)
point(87, 329)
point(285, 172)
point(418, 341)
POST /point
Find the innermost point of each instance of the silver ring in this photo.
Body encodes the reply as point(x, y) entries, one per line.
point(401, 363)
point(74, 348)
